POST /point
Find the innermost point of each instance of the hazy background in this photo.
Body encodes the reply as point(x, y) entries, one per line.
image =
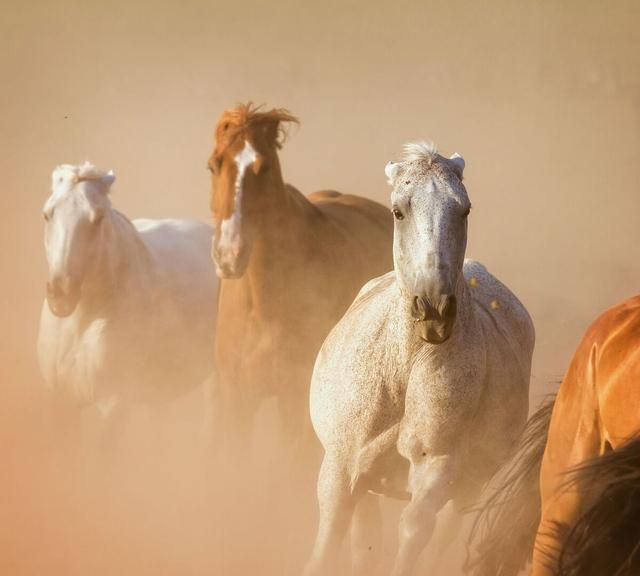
point(542, 98)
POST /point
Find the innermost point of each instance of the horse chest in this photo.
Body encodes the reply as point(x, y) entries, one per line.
point(79, 367)
point(442, 387)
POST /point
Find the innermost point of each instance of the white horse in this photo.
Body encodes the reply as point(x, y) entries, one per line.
point(130, 307)
point(421, 389)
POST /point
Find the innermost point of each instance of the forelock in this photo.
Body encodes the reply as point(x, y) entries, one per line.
point(72, 174)
point(237, 122)
point(423, 151)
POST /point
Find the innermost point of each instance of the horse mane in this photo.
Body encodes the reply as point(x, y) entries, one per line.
point(420, 151)
point(606, 538)
point(504, 531)
point(85, 171)
point(244, 117)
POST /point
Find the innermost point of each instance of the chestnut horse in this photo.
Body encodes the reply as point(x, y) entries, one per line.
point(585, 521)
point(290, 266)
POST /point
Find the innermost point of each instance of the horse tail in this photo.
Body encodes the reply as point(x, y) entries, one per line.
point(606, 538)
point(503, 533)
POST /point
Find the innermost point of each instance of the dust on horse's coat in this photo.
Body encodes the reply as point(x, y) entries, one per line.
point(290, 266)
point(422, 387)
point(130, 308)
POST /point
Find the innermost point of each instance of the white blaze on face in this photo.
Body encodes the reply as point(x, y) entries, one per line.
point(230, 227)
point(57, 237)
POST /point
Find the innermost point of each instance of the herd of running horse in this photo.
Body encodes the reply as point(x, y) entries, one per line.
point(370, 328)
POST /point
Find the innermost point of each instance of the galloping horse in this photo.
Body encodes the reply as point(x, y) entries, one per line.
point(584, 460)
point(290, 266)
point(130, 306)
point(420, 391)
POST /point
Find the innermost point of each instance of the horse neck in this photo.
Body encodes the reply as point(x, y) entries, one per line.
point(121, 257)
point(284, 230)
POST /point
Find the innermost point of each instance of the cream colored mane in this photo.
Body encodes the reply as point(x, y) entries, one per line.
point(78, 173)
point(417, 151)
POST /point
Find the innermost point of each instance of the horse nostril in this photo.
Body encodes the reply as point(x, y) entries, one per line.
point(418, 309)
point(449, 307)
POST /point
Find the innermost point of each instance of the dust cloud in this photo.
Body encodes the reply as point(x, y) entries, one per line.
point(541, 98)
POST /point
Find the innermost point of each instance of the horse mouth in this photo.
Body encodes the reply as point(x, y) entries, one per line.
point(227, 273)
point(232, 269)
point(63, 305)
point(61, 309)
point(434, 332)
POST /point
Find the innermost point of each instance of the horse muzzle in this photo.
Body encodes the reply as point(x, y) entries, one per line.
point(63, 296)
point(230, 264)
point(434, 322)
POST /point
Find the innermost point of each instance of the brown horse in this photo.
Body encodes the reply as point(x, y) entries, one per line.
point(586, 521)
point(290, 265)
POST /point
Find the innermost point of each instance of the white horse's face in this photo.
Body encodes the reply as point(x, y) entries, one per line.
point(430, 207)
point(73, 215)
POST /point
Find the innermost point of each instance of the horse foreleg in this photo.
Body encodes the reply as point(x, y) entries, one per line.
point(366, 536)
point(336, 504)
point(430, 480)
point(448, 527)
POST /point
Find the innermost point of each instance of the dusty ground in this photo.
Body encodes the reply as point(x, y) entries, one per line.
point(543, 101)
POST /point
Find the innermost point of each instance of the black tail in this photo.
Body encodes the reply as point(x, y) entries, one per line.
point(606, 539)
point(502, 537)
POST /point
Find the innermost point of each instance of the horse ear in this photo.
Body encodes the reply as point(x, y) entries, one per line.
point(107, 180)
point(391, 171)
point(458, 164)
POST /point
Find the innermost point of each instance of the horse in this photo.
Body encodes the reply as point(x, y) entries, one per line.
point(130, 307)
point(289, 267)
point(570, 500)
point(421, 389)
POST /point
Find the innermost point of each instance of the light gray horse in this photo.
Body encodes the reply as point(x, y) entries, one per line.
point(130, 311)
point(421, 389)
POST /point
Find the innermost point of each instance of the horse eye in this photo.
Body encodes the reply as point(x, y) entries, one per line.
point(397, 214)
point(466, 212)
point(46, 216)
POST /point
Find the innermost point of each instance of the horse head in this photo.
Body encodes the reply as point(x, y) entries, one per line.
point(244, 166)
point(430, 207)
point(73, 217)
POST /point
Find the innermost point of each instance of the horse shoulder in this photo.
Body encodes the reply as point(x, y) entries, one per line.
point(351, 363)
point(615, 341)
point(373, 287)
point(498, 303)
